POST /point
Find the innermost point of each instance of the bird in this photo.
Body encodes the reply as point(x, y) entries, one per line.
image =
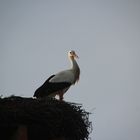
point(59, 83)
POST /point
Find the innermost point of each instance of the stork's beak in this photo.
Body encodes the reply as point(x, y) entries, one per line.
point(76, 56)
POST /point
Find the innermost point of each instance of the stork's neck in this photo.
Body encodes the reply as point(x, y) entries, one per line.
point(73, 62)
point(75, 68)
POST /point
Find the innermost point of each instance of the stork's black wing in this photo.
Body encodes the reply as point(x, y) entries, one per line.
point(49, 88)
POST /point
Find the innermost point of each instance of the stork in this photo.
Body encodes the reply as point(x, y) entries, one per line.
point(60, 82)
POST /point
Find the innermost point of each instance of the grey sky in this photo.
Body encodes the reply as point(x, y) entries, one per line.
point(36, 35)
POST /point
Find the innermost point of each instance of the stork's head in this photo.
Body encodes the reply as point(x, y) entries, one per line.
point(72, 54)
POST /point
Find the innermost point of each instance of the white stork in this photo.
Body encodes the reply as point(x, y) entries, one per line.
point(59, 83)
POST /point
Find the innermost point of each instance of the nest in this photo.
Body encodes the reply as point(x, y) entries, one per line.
point(45, 118)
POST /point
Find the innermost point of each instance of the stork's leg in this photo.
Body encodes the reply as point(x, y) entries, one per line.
point(61, 96)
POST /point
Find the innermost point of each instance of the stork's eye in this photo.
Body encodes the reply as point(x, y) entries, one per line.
point(71, 52)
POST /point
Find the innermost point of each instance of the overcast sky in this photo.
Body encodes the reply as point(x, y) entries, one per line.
point(35, 37)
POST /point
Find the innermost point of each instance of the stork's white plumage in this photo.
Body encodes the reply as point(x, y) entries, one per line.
point(59, 83)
